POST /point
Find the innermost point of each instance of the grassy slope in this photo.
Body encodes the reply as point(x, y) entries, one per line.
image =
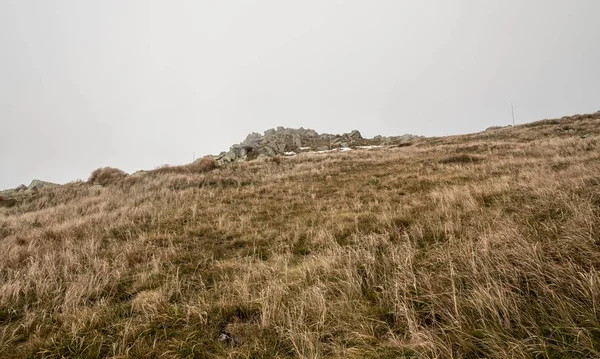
point(483, 245)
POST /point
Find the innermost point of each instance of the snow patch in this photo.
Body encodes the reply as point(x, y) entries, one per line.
point(368, 147)
point(289, 153)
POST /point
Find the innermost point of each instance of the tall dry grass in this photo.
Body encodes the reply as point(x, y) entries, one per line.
point(483, 245)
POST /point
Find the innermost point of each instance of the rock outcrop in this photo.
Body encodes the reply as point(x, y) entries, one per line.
point(37, 185)
point(288, 142)
point(34, 186)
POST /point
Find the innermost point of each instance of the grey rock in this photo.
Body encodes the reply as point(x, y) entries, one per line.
point(280, 140)
point(355, 134)
point(36, 185)
point(280, 147)
point(252, 139)
point(297, 141)
point(268, 151)
point(309, 133)
point(230, 156)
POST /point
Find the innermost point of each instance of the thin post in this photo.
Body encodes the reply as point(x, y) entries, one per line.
point(513, 113)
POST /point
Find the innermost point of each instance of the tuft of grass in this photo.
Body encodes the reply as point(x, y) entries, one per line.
point(106, 176)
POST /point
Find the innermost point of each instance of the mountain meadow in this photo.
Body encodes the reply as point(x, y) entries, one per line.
point(470, 246)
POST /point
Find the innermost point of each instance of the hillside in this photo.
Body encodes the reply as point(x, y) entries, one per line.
point(481, 245)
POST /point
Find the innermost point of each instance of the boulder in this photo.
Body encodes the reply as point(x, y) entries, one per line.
point(252, 140)
point(268, 151)
point(297, 141)
point(36, 185)
point(355, 135)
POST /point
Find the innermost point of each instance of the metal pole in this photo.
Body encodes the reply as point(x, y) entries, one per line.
point(513, 113)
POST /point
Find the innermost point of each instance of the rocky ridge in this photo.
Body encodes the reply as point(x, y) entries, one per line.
point(6, 199)
point(289, 142)
point(34, 186)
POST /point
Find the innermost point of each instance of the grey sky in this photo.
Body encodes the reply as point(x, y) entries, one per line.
point(138, 84)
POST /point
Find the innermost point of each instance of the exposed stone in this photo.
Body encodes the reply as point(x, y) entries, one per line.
point(281, 140)
point(355, 134)
point(280, 147)
point(252, 140)
point(268, 151)
point(36, 185)
point(297, 141)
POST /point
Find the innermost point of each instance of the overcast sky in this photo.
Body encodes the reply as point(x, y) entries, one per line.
point(138, 84)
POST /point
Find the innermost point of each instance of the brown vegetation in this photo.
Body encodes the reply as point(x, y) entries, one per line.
point(484, 245)
point(7, 202)
point(201, 165)
point(106, 175)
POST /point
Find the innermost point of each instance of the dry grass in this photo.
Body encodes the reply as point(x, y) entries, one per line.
point(201, 165)
point(106, 175)
point(485, 245)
